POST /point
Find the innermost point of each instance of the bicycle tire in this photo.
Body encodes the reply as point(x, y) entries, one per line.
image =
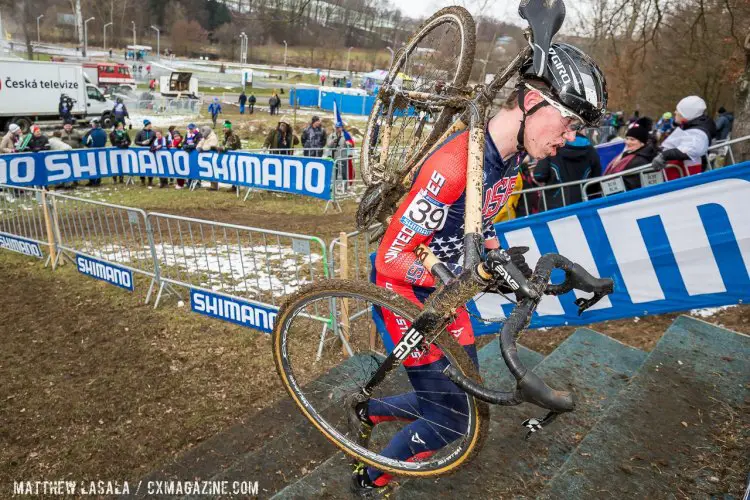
point(461, 18)
point(453, 351)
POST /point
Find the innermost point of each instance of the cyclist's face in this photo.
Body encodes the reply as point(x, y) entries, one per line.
point(546, 130)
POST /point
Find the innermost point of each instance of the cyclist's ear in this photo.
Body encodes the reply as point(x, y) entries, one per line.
point(531, 98)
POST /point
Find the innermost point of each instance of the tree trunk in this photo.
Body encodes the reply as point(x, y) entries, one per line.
point(742, 109)
point(79, 23)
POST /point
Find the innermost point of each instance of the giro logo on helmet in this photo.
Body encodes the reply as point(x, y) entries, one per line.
point(559, 66)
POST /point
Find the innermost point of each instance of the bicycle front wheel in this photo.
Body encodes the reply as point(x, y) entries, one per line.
point(437, 60)
point(322, 371)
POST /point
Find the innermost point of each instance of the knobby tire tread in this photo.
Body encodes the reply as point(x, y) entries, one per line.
point(410, 310)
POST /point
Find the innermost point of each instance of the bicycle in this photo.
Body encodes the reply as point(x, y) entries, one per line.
point(327, 390)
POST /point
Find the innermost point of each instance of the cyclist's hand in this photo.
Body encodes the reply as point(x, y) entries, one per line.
point(518, 260)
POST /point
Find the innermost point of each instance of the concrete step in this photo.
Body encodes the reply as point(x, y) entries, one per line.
point(331, 479)
point(593, 366)
point(648, 443)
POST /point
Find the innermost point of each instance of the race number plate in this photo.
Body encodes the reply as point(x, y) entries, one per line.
point(613, 186)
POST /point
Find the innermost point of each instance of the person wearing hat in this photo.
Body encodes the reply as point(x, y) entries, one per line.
point(120, 111)
point(38, 141)
point(231, 142)
point(639, 151)
point(209, 142)
point(119, 138)
point(251, 103)
point(687, 146)
point(145, 138)
point(8, 144)
point(192, 138)
point(664, 127)
point(314, 138)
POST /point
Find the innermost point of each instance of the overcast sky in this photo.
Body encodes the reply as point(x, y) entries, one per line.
point(505, 10)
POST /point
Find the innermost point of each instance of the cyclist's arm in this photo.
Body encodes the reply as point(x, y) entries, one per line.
point(441, 181)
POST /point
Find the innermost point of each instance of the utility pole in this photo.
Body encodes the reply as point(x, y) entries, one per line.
point(79, 22)
point(38, 35)
point(489, 54)
point(285, 48)
point(133, 23)
point(158, 41)
point(348, 56)
point(86, 36)
point(104, 35)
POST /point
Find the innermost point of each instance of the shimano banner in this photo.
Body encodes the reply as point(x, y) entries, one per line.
point(676, 246)
point(290, 174)
point(233, 310)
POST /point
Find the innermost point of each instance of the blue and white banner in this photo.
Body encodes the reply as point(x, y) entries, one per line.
point(289, 174)
point(20, 245)
point(101, 270)
point(608, 151)
point(676, 246)
point(233, 310)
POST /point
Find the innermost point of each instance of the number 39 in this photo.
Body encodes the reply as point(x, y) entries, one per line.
point(424, 213)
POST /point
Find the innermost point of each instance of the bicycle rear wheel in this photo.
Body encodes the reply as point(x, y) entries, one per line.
point(437, 59)
point(321, 388)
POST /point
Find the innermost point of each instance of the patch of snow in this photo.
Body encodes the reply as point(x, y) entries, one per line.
point(709, 311)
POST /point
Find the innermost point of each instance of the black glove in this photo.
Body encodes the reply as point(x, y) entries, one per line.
point(658, 163)
point(518, 260)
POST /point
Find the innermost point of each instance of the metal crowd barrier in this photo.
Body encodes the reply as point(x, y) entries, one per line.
point(599, 135)
point(612, 184)
point(24, 214)
point(258, 265)
point(111, 233)
point(353, 263)
point(165, 106)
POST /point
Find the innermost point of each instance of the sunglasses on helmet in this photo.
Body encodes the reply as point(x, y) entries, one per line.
point(576, 122)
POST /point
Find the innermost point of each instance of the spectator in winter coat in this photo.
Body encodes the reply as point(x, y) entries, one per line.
point(56, 143)
point(209, 142)
point(96, 137)
point(177, 144)
point(8, 144)
point(274, 103)
point(231, 142)
point(639, 151)
point(687, 146)
point(242, 101)
point(39, 141)
point(161, 142)
point(281, 141)
point(314, 138)
point(120, 111)
point(70, 136)
point(214, 109)
point(192, 138)
point(145, 138)
point(664, 127)
point(251, 102)
point(724, 124)
point(338, 149)
point(574, 161)
point(119, 138)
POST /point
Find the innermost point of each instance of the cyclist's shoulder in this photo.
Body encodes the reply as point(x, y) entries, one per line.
point(451, 154)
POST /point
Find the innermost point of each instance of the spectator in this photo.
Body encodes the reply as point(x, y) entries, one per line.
point(160, 142)
point(192, 138)
point(72, 138)
point(209, 142)
point(274, 103)
point(145, 138)
point(639, 151)
point(724, 124)
point(231, 142)
point(96, 137)
point(314, 138)
point(251, 102)
point(215, 110)
point(242, 101)
point(148, 70)
point(8, 144)
point(38, 141)
point(687, 146)
point(634, 118)
point(57, 144)
point(664, 127)
point(281, 140)
point(119, 138)
point(177, 143)
point(338, 149)
point(170, 134)
point(152, 84)
point(575, 161)
point(120, 111)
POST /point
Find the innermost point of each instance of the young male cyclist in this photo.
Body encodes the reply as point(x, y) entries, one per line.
point(540, 116)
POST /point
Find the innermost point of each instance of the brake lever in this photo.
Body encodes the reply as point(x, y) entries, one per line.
point(584, 304)
point(499, 264)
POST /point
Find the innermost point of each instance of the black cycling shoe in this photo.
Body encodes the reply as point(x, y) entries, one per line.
point(362, 487)
point(359, 422)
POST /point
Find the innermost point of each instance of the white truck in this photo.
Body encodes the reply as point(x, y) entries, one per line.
point(30, 92)
point(179, 84)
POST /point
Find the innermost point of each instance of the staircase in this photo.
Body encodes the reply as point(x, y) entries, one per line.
point(642, 425)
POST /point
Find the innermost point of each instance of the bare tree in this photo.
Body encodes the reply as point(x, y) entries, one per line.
point(742, 105)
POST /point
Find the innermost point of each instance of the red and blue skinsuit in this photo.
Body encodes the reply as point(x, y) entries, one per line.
point(433, 214)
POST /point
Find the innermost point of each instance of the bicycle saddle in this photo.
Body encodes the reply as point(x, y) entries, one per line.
point(545, 18)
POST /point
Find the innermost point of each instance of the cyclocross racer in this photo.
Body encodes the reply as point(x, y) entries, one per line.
point(539, 117)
